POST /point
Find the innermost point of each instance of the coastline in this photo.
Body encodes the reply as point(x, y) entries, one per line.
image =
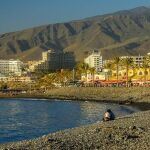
point(139, 96)
point(129, 132)
point(143, 106)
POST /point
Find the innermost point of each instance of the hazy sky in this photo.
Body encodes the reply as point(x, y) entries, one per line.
point(20, 14)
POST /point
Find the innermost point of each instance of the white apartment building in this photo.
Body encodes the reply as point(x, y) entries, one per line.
point(95, 60)
point(137, 60)
point(11, 67)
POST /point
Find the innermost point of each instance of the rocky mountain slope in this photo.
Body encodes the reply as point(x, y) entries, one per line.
point(121, 33)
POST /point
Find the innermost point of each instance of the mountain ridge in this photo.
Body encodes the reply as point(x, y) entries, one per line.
point(121, 33)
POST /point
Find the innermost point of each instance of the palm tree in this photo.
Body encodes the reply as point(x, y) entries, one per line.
point(128, 61)
point(145, 66)
point(109, 67)
point(83, 68)
point(92, 71)
point(117, 62)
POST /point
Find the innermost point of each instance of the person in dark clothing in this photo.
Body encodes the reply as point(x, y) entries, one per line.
point(108, 115)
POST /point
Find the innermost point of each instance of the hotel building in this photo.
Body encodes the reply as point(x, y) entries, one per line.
point(11, 67)
point(95, 60)
point(137, 60)
point(52, 61)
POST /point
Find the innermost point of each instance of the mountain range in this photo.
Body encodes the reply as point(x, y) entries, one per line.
point(121, 33)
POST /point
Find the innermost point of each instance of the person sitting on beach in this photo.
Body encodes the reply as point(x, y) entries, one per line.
point(108, 115)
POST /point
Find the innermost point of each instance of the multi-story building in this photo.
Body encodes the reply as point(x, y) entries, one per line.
point(95, 60)
point(137, 60)
point(11, 67)
point(52, 61)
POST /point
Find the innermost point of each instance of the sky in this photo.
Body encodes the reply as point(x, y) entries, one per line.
point(21, 14)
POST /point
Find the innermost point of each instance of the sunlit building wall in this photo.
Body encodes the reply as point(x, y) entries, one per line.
point(11, 67)
point(95, 60)
point(52, 61)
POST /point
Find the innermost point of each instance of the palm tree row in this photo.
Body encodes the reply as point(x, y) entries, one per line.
point(127, 63)
point(115, 64)
point(85, 68)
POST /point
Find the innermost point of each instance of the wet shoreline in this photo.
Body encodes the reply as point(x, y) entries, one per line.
point(143, 106)
point(129, 132)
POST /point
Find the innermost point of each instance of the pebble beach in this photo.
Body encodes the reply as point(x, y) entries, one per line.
point(126, 133)
point(130, 132)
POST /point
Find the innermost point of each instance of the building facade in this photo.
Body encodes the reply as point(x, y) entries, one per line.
point(137, 60)
point(133, 74)
point(52, 61)
point(95, 60)
point(96, 77)
point(11, 67)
